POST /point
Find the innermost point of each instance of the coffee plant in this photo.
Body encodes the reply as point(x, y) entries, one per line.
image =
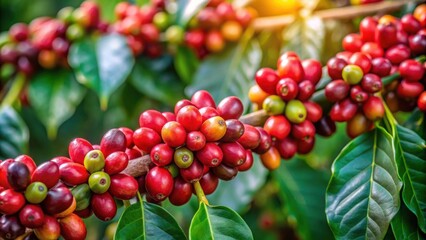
point(237, 131)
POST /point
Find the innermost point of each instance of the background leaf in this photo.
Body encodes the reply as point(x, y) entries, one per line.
point(102, 64)
point(13, 134)
point(186, 63)
point(229, 73)
point(302, 189)
point(239, 192)
point(404, 225)
point(54, 95)
point(305, 37)
point(218, 222)
point(188, 9)
point(147, 221)
point(363, 194)
point(411, 159)
point(107, 8)
point(157, 79)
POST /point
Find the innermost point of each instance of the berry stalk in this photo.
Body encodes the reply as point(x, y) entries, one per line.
point(200, 193)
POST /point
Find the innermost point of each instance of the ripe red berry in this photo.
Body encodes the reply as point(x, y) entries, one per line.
point(195, 141)
point(234, 130)
point(173, 134)
point(103, 206)
point(362, 60)
point(277, 126)
point(190, 118)
point(292, 68)
point(398, 54)
point(313, 111)
point(73, 227)
point(373, 108)
point(18, 176)
point(112, 141)
point(10, 227)
point(73, 173)
point(287, 147)
point(343, 111)
point(230, 108)
point(386, 35)
point(28, 161)
point(336, 90)
point(209, 183)
point(159, 183)
point(410, 24)
point(146, 138)
point(287, 89)
point(192, 173)
point(367, 29)
point(78, 148)
point(352, 42)
point(306, 89)
point(123, 186)
point(371, 83)
point(182, 192)
point(49, 230)
point(372, 49)
point(116, 162)
point(421, 102)
point(31, 216)
point(250, 138)
point(408, 89)
point(335, 67)
point(210, 155)
point(47, 173)
point(313, 70)
point(411, 70)
point(213, 128)
point(303, 130)
point(161, 154)
point(234, 154)
point(11, 202)
point(224, 172)
point(358, 94)
point(58, 199)
point(203, 98)
point(265, 141)
point(381, 66)
point(152, 119)
point(248, 163)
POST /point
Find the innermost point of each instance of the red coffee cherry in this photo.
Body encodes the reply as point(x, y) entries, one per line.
point(208, 112)
point(193, 173)
point(210, 155)
point(417, 43)
point(234, 154)
point(325, 127)
point(103, 206)
point(173, 134)
point(265, 141)
point(304, 146)
point(58, 199)
point(190, 118)
point(78, 148)
point(345, 55)
point(287, 147)
point(195, 38)
point(214, 41)
point(371, 83)
point(208, 18)
point(287, 89)
point(352, 42)
point(367, 29)
point(313, 110)
point(182, 192)
point(285, 56)
point(49, 230)
point(335, 67)
point(146, 138)
point(213, 128)
point(60, 160)
point(116, 162)
point(291, 68)
point(10, 227)
point(152, 119)
point(31, 216)
point(73, 227)
point(128, 133)
point(161, 154)
point(180, 104)
point(73, 174)
point(336, 90)
point(381, 67)
point(11, 202)
point(303, 130)
point(234, 130)
point(47, 173)
point(123, 186)
point(203, 98)
point(313, 70)
point(408, 89)
point(3, 173)
point(19, 32)
point(195, 141)
point(209, 183)
point(410, 24)
point(28, 161)
point(248, 163)
point(372, 49)
point(343, 111)
point(250, 138)
point(169, 116)
point(18, 176)
point(267, 79)
point(362, 60)
point(358, 94)
point(386, 35)
point(421, 102)
point(159, 183)
point(230, 108)
point(277, 126)
point(113, 141)
point(411, 70)
point(398, 54)
point(306, 90)
point(358, 125)
point(224, 172)
point(373, 108)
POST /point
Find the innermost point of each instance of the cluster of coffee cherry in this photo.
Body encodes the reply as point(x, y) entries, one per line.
point(45, 41)
point(198, 142)
point(285, 94)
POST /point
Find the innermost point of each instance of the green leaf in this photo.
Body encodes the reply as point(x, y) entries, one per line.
point(305, 37)
point(228, 73)
point(102, 64)
point(218, 222)
point(186, 63)
point(411, 160)
point(417, 123)
point(55, 95)
point(238, 193)
point(302, 189)
point(157, 79)
point(107, 8)
point(187, 9)
point(147, 221)
point(404, 225)
point(14, 135)
point(363, 193)
point(142, 2)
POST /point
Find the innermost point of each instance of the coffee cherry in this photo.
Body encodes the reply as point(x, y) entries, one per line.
point(250, 138)
point(183, 157)
point(358, 94)
point(352, 74)
point(286, 55)
point(325, 127)
point(287, 89)
point(58, 199)
point(336, 90)
point(313, 70)
point(73, 227)
point(195, 141)
point(60, 160)
point(208, 18)
point(152, 119)
point(371, 83)
point(85, 213)
point(306, 90)
point(10, 228)
point(161, 154)
point(116, 162)
point(373, 108)
point(214, 41)
point(4, 182)
point(358, 125)
point(169, 117)
point(123, 186)
point(78, 148)
point(313, 111)
point(146, 138)
point(305, 145)
point(182, 192)
point(372, 49)
point(11, 202)
point(335, 67)
point(224, 172)
point(94, 161)
point(231, 31)
point(173, 134)
point(421, 101)
point(410, 24)
point(225, 10)
point(381, 67)
point(417, 43)
point(47, 173)
point(291, 68)
point(367, 29)
point(49, 230)
point(159, 183)
point(352, 42)
point(248, 163)
point(295, 111)
point(265, 141)
point(31, 216)
point(112, 141)
point(343, 111)
point(18, 176)
point(277, 126)
point(82, 194)
point(193, 173)
point(190, 118)
point(234, 130)
point(99, 182)
point(234, 154)
point(287, 147)
point(28, 161)
point(361, 60)
point(128, 133)
point(230, 108)
point(208, 112)
point(273, 105)
point(303, 130)
point(271, 159)
point(213, 128)
point(73, 173)
point(397, 54)
point(103, 206)
point(210, 155)
point(267, 79)
point(411, 70)
point(67, 211)
point(36, 192)
point(385, 35)
point(408, 89)
point(202, 98)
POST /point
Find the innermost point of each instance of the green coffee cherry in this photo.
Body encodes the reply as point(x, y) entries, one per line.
point(94, 161)
point(273, 105)
point(352, 74)
point(82, 196)
point(36, 192)
point(295, 111)
point(99, 182)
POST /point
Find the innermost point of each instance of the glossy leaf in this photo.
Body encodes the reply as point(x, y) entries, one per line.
point(102, 64)
point(218, 222)
point(363, 193)
point(186, 64)
point(229, 73)
point(188, 9)
point(239, 192)
point(157, 79)
point(411, 159)
point(404, 225)
point(14, 135)
point(302, 189)
point(55, 95)
point(305, 37)
point(147, 221)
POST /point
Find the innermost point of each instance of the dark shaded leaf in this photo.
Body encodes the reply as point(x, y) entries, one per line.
point(404, 225)
point(13, 134)
point(186, 64)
